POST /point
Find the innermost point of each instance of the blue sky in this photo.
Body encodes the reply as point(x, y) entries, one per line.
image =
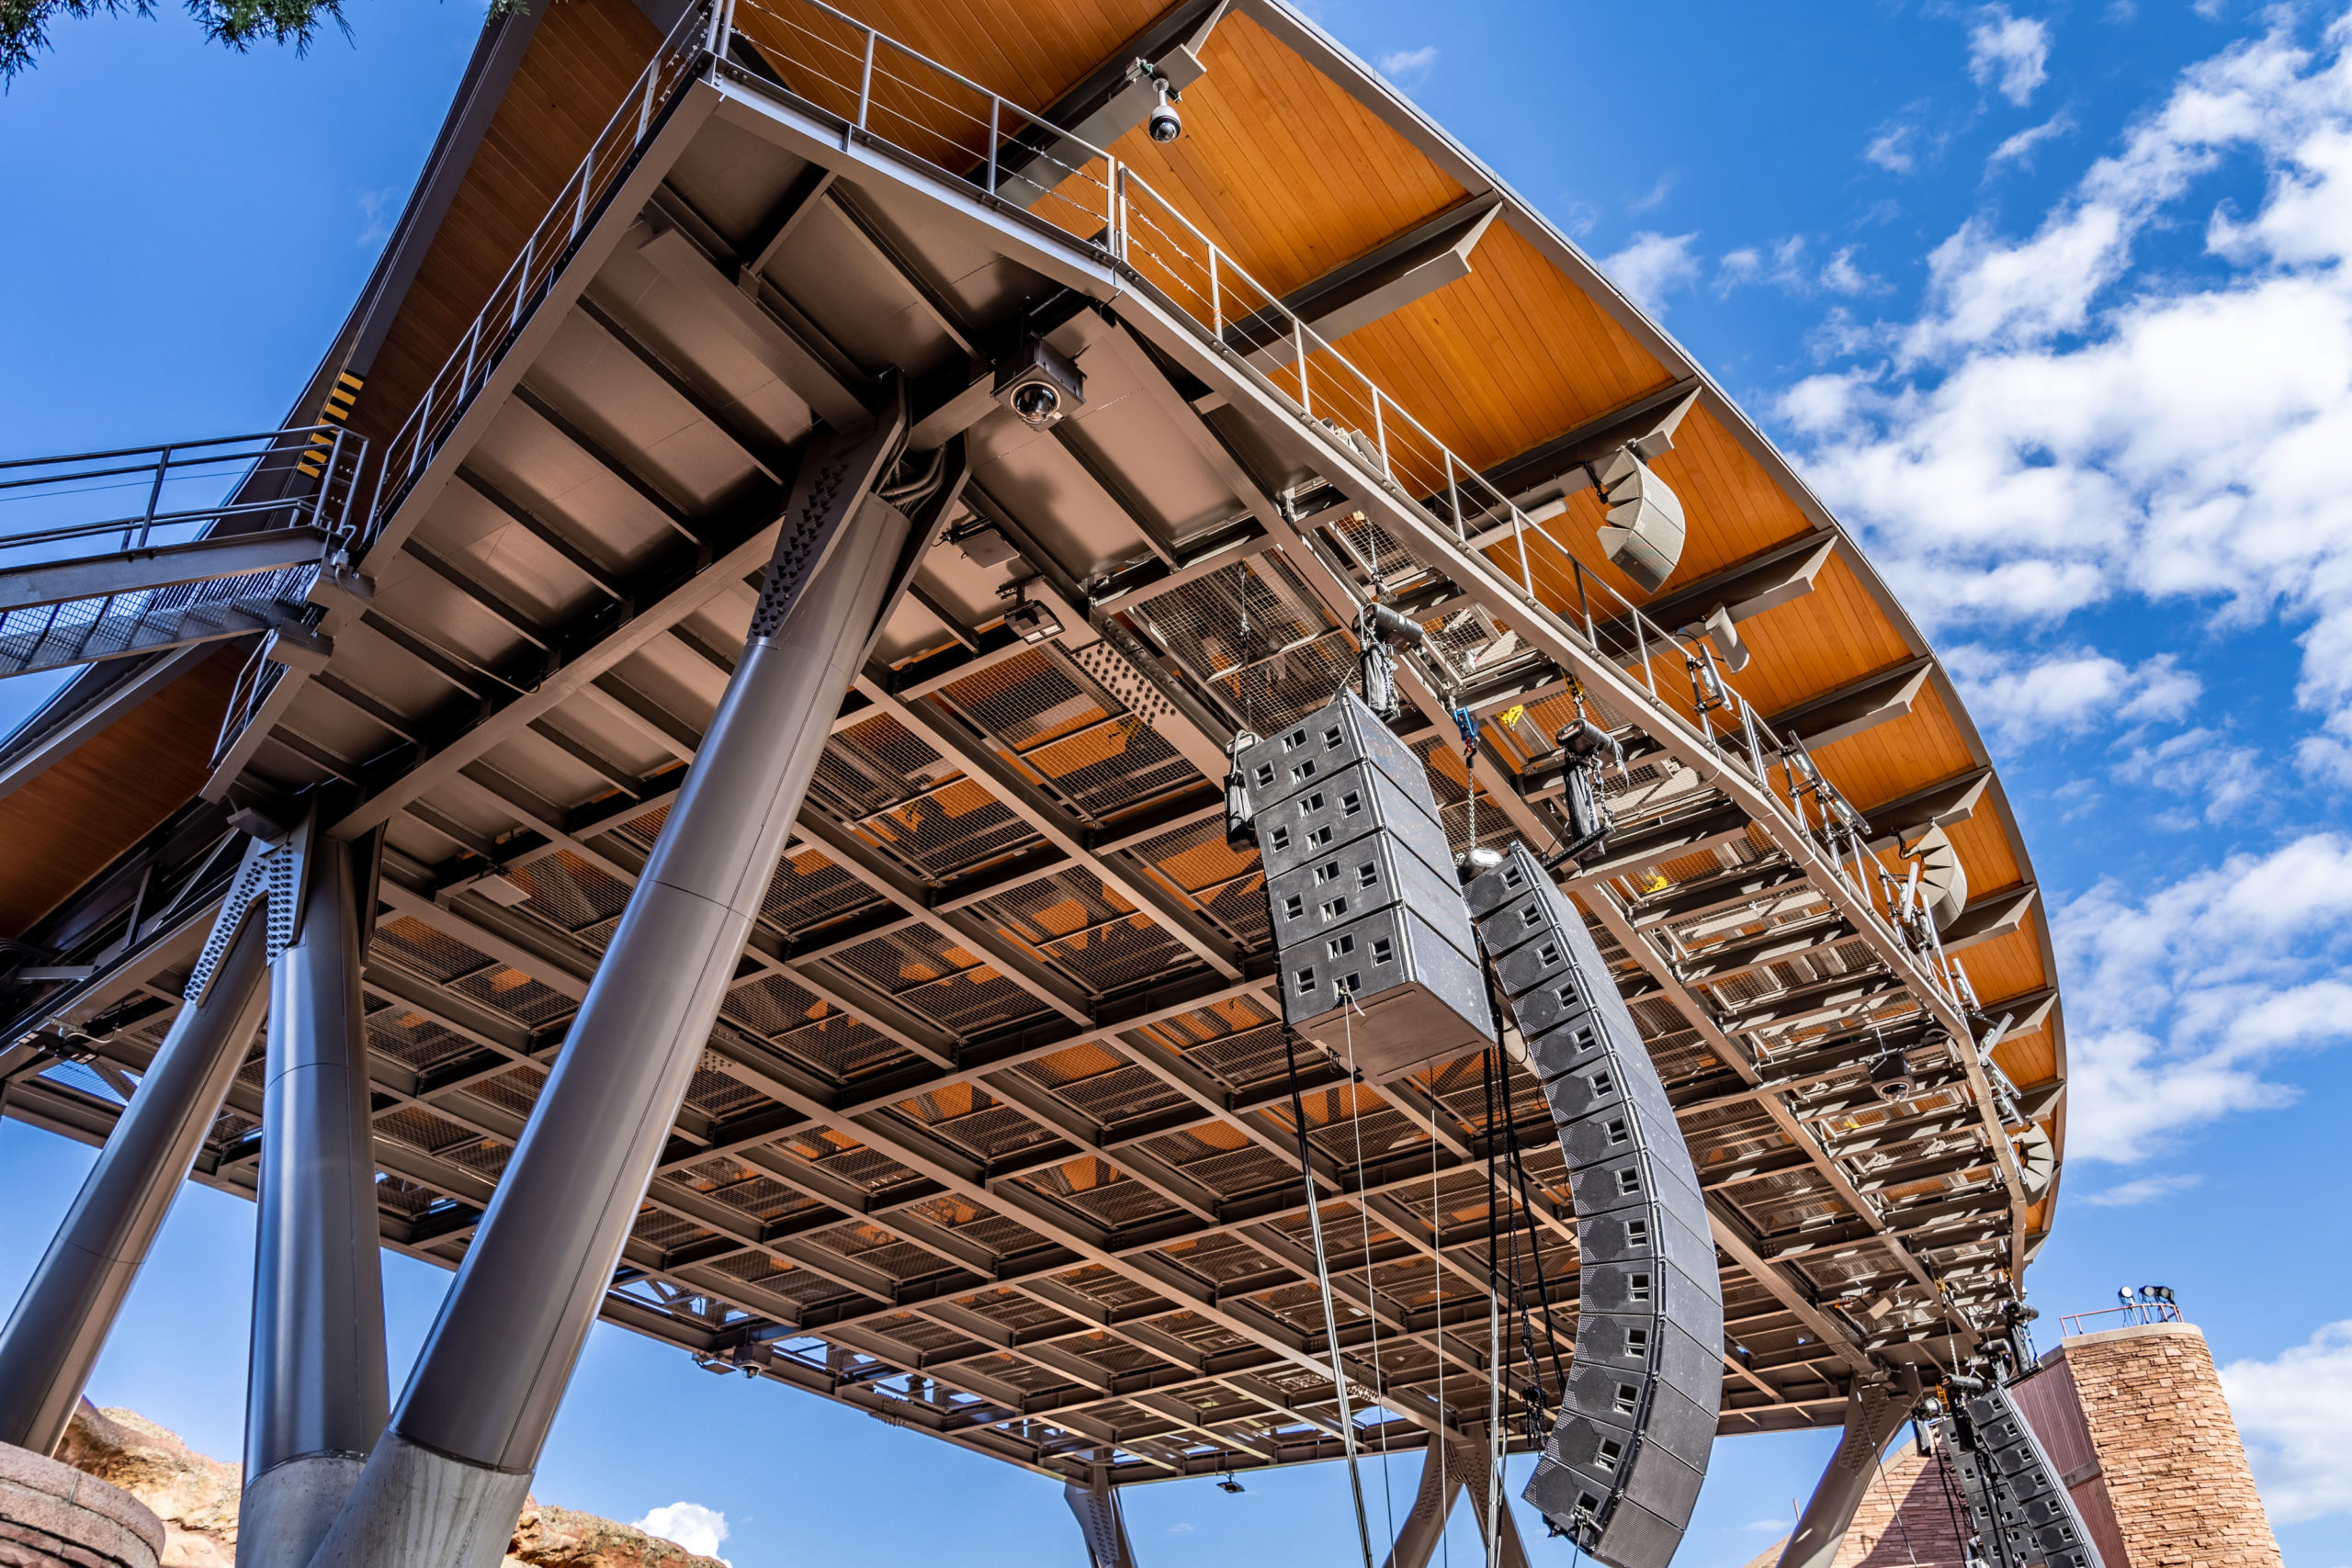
point(2050, 302)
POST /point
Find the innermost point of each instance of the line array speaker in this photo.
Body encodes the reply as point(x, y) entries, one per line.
point(2022, 1515)
point(1637, 1418)
point(1371, 936)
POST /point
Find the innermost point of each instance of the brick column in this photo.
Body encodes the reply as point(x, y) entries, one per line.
point(2167, 1456)
point(1907, 1516)
point(53, 1515)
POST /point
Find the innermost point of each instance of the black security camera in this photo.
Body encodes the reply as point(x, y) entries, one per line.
point(1165, 124)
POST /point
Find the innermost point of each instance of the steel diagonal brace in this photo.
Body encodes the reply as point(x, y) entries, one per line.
point(1481, 580)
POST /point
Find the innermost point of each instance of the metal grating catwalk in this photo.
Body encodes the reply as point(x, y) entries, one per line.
point(994, 1139)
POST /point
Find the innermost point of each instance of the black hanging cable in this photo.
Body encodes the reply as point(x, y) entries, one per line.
point(1543, 1286)
point(1540, 1405)
point(1323, 1278)
point(1532, 1397)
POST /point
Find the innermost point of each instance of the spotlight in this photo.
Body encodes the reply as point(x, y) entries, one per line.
point(1031, 622)
point(1039, 383)
point(1729, 647)
point(1226, 1482)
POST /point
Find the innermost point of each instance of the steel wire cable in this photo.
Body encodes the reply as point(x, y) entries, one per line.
point(1323, 1278)
point(1372, 1287)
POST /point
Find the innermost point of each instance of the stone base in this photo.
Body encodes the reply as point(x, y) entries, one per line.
point(53, 1515)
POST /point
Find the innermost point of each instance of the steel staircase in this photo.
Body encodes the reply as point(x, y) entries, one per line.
point(232, 538)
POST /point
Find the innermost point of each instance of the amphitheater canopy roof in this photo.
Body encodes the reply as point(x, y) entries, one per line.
point(994, 1138)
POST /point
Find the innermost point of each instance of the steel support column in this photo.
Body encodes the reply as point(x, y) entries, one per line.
point(316, 1396)
point(1474, 1460)
point(63, 1320)
point(1424, 1526)
point(1872, 1413)
point(1097, 1507)
point(443, 1488)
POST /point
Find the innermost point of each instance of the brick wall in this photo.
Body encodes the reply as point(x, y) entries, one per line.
point(2168, 1456)
point(1906, 1517)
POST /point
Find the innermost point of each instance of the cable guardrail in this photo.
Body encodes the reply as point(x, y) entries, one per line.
point(884, 92)
point(228, 484)
point(892, 95)
point(547, 250)
point(63, 601)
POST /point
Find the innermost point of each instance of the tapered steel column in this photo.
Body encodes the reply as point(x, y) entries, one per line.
point(1097, 1507)
point(316, 1396)
point(1424, 1526)
point(1510, 1550)
point(443, 1488)
point(63, 1320)
point(1872, 1413)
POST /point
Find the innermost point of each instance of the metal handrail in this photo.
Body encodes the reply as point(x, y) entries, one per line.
point(2137, 1312)
point(226, 466)
point(547, 250)
point(1151, 242)
point(890, 95)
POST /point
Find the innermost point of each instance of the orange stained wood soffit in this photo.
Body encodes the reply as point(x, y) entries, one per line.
point(1819, 642)
point(97, 801)
point(577, 67)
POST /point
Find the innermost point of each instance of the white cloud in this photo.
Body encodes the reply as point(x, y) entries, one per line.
point(2215, 774)
point(1894, 148)
point(2024, 694)
point(1408, 64)
point(1788, 266)
point(1842, 276)
point(2018, 148)
point(2147, 1189)
point(2009, 54)
point(377, 210)
point(699, 1530)
point(1652, 266)
point(2178, 999)
point(2289, 1413)
point(1655, 196)
point(2051, 434)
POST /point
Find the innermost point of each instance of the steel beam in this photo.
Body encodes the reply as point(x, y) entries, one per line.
point(1872, 1413)
point(442, 1490)
point(62, 1322)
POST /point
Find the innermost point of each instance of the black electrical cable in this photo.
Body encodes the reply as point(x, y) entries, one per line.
point(1527, 1201)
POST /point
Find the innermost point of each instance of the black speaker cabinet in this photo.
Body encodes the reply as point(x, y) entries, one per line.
point(1372, 940)
point(1336, 738)
point(2021, 1512)
point(1638, 1421)
point(1374, 873)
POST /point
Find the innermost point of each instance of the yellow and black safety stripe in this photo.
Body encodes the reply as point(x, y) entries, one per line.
point(339, 398)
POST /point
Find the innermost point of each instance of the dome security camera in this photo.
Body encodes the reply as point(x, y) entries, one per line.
point(1165, 124)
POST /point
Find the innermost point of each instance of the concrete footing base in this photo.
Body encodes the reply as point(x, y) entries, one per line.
point(414, 1509)
point(53, 1515)
point(287, 1509)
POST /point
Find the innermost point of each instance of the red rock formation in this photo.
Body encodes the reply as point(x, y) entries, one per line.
point(197, 1499)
